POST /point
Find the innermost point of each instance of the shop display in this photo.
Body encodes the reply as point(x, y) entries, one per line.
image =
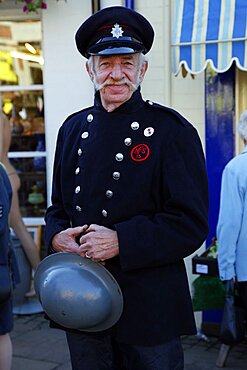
point(21, 98)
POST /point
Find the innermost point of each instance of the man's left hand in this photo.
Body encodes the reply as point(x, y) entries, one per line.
point(99, 243)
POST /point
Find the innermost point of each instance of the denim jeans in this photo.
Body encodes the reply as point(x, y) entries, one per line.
point(101, 352)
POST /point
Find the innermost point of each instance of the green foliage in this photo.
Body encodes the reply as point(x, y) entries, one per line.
point(208, 293)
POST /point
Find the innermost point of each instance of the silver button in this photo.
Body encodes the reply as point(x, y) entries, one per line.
point(79, 152)
point(104, 213)
point(90, 118)
point(77, 189)
point(78, 208)
point(77, 170)
point(150, 102)
point(119, 157)
point(116, 175)
point(135, 125)
point(109, 193)
point(127, 141)
point(84, 135)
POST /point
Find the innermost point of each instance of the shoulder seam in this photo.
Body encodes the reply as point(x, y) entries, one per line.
point(78, 112)
point(182, 119)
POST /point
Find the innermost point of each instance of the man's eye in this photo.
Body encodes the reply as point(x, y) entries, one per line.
point(128, 64)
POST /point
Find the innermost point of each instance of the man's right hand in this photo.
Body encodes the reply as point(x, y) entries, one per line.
point(65, 241)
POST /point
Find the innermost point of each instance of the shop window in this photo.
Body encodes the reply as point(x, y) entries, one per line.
point(21, 97)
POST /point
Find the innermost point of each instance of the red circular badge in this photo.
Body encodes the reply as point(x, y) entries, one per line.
point(140, 153)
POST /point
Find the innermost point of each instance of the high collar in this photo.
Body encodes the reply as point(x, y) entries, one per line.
point(132, 105)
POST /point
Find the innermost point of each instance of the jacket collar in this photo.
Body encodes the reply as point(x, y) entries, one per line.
point(132, 105)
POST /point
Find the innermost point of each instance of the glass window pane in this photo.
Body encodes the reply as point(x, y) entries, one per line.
point(21, 60)
point(25, 112)
point(34, 142)
point(32, 192)
point(21, 100)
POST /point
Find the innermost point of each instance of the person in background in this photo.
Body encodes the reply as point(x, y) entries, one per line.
point(130, 191)
point(16, 221)
point(6, 318)
point(232, 221)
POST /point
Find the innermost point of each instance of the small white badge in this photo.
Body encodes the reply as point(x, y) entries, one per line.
point(148, 131)
point(117, 31)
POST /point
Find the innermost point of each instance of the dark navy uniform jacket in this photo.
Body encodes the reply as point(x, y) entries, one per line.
point(139, 170)
point(7, 253)
point(5, 204)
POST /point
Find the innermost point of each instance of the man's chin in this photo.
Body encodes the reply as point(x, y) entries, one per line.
point(116, 98)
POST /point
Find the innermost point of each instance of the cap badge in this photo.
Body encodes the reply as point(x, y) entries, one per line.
point(117, 31)
point(140, 153)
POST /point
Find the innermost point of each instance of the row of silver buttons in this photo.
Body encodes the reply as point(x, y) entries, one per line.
point(119, 157)
point(84, 135)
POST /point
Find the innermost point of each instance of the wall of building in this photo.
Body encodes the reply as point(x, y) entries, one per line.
point(187, 96)
point(156, 84)
point(67, 85)
point(183, 94)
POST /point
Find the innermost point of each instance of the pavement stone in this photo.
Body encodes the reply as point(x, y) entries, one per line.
point(202, 354)
point(38, 347)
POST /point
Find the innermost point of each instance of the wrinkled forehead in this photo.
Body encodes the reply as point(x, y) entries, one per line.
point(134, 57)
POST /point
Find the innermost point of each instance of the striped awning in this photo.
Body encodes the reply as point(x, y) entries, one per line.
point(209, 31)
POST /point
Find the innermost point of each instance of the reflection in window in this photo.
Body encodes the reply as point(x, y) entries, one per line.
point(21, 100)
point(25, 111)
point(32, 193)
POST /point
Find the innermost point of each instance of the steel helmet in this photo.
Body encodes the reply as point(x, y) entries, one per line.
point(78, 293)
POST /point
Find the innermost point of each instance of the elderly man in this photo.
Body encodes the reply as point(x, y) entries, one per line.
point(129, 191)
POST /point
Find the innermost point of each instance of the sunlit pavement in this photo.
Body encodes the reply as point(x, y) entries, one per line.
point(37, 347)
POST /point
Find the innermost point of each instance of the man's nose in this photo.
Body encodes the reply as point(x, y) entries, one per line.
point(116, 72)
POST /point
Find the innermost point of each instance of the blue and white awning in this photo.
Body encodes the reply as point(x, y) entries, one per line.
point(209, 31)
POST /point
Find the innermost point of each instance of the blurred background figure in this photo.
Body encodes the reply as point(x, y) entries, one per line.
point(6, 258)
point(231, 228)
point(16, 221)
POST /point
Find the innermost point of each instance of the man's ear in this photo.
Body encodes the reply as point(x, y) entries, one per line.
point(89, 70)
point(144, 68)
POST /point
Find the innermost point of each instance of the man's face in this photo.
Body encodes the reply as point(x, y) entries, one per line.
point(117, 77)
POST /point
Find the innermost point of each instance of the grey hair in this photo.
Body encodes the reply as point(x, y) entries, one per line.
point(242, 125)
point(90, 63)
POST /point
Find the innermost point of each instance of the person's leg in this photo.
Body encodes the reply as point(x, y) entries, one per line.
point(243, 293)
point(90, 351)
point(5, 352)
point(17, 224)
point(167, 356)
point(27, 242)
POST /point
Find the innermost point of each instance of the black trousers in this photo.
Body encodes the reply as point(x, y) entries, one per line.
point(242, 286)
point(101, 352)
